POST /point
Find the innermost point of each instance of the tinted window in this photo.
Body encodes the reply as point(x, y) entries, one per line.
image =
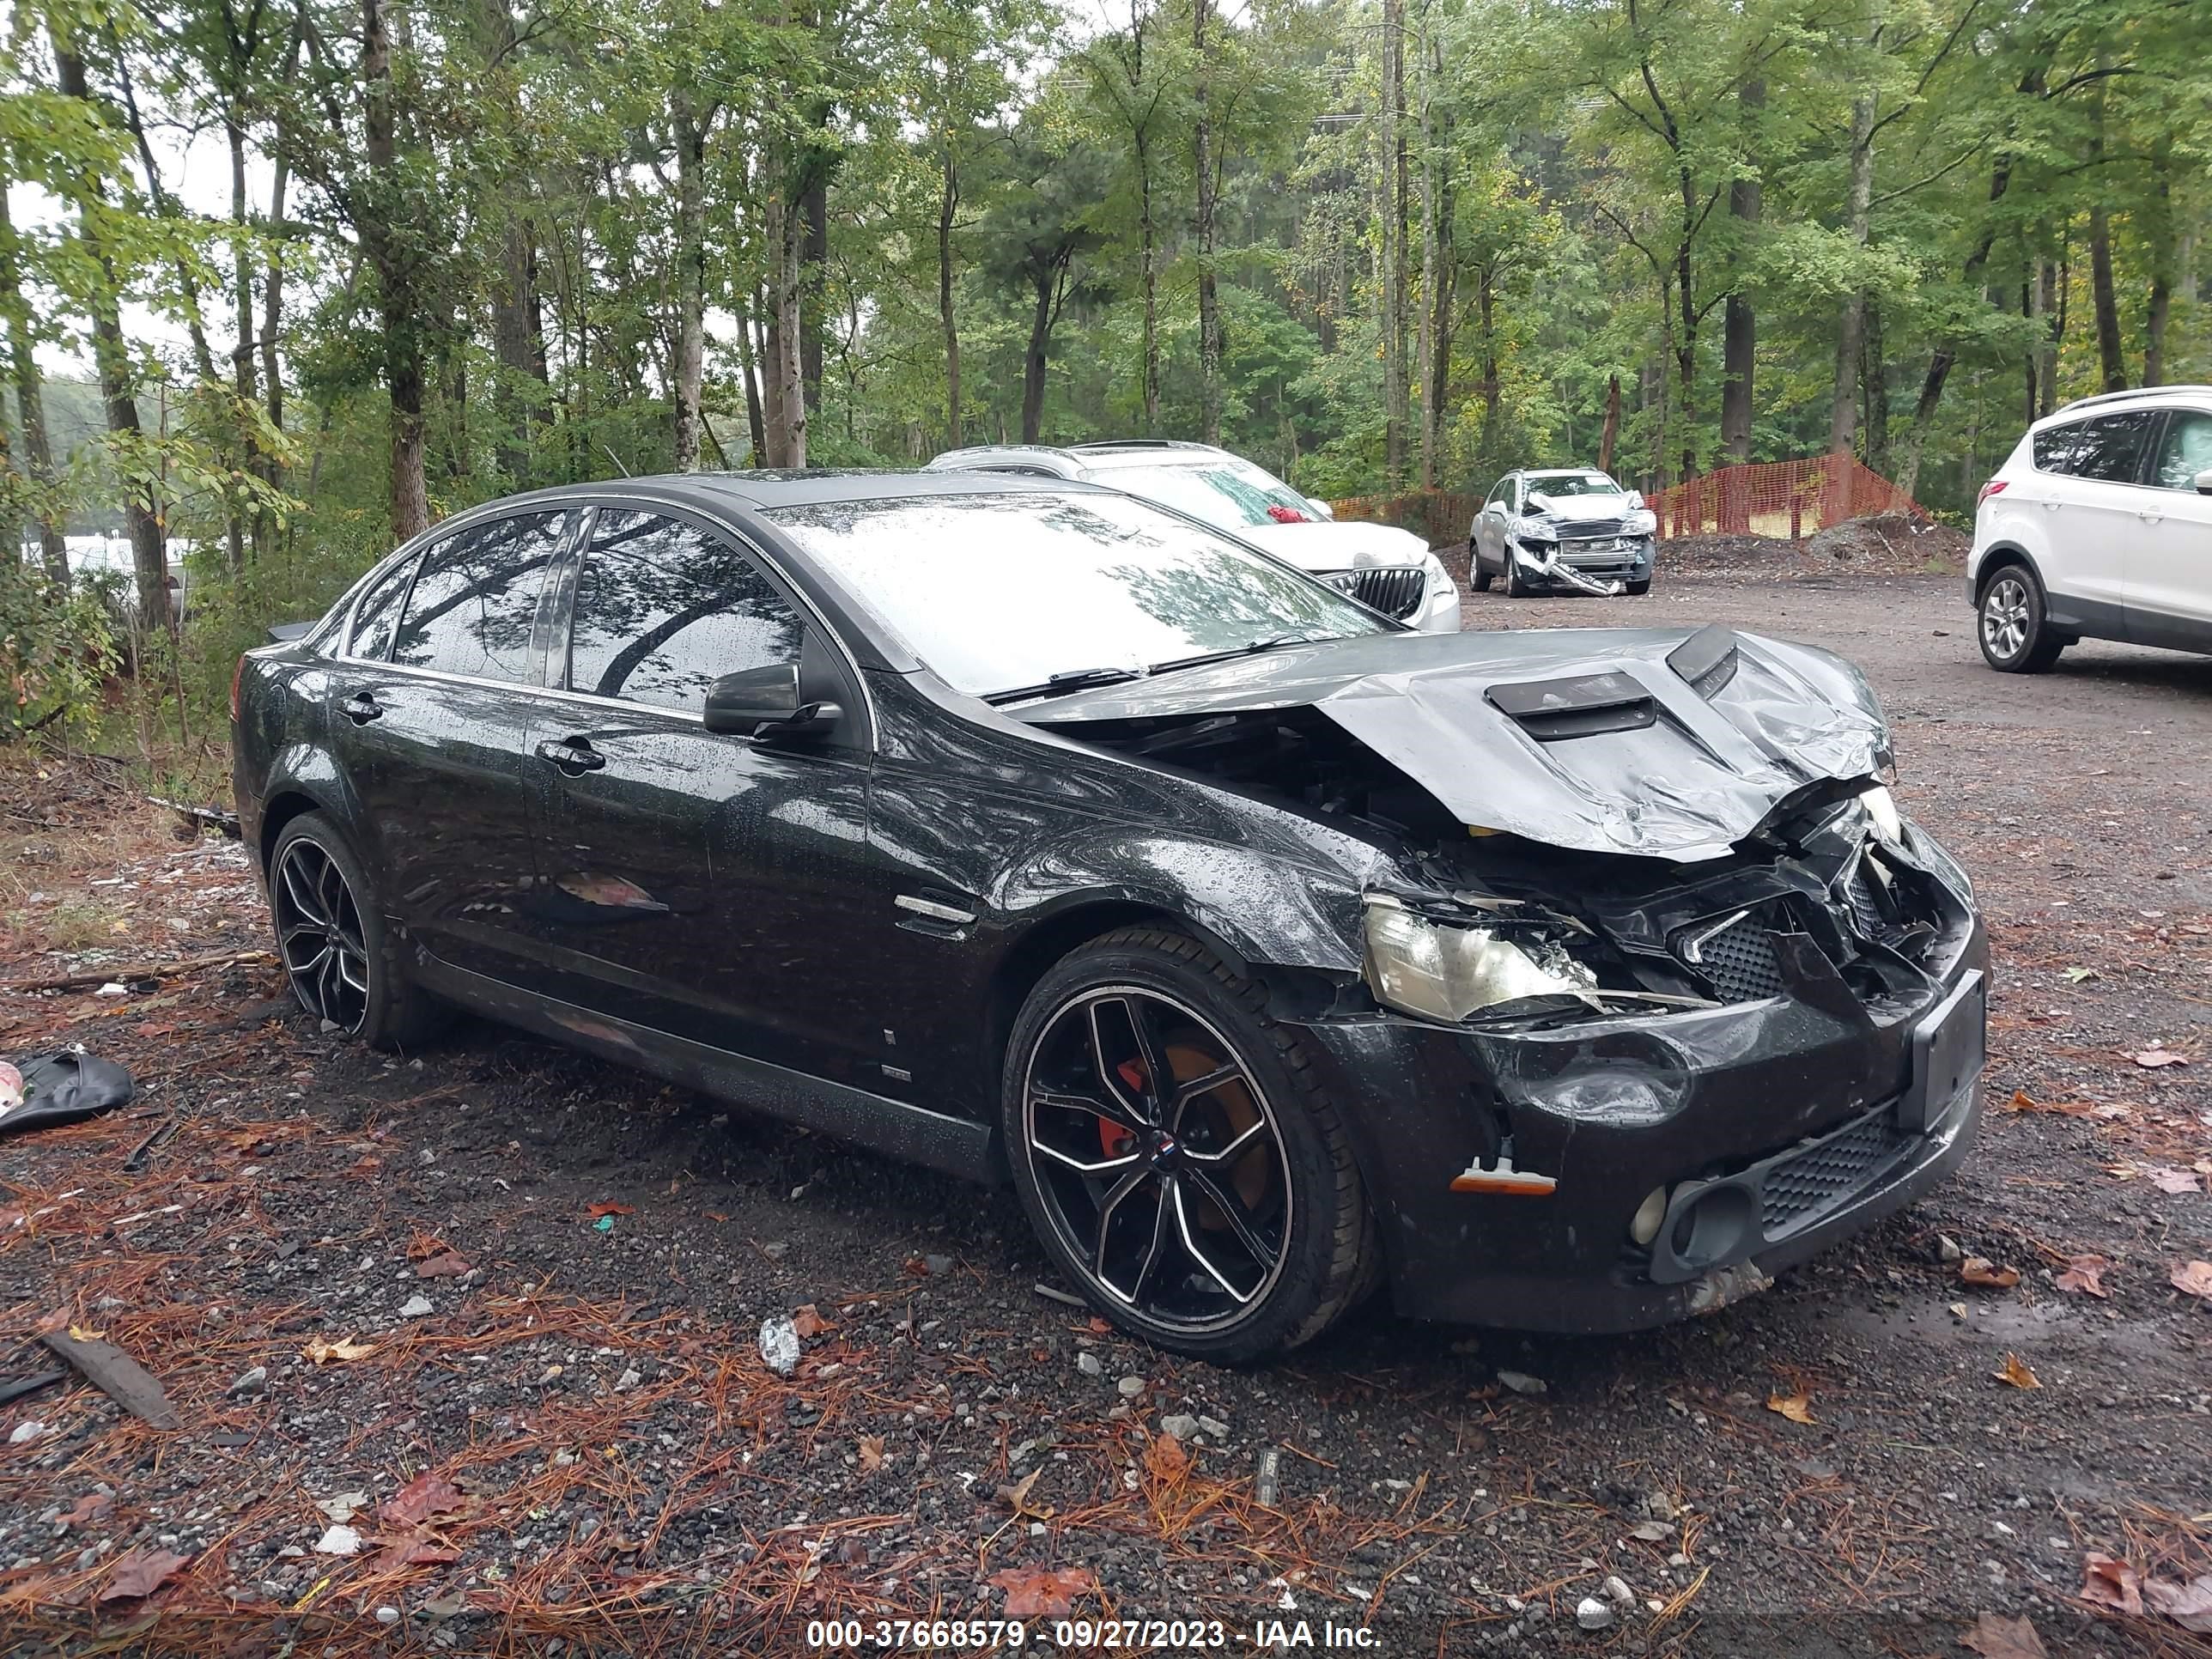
point(378, 610)
point(472, 607)
point(2111, 447)
point(2186, 451)
point(2056, 446)
point(664, 609)
point(1499, 493)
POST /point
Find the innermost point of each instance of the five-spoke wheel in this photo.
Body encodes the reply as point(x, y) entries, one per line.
point(1175, 1153)
point(318, 931)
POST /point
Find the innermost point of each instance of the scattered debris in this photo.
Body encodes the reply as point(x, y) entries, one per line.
point(2189, 1605)
point(2014, 1370)
point(1986, 1275)
point(1522, 1383)
point(1267, 1484)
point(2193, 1279)
point(115, 1374)
point(139, 1572)
point(323, 1351)
point(810, 1324)
point(338, 1539)
point(2083, 1275)
point(63, 1087)
point(2176, 1182)
point(15, 1387)
point(1592, 1614)
point(1995, 1637)
point(2107, 1582)
point(248, 1383)
point(2153, 1059)
point(417, 1307)
point(1181, 1426)
point(447, 1264)
point(1797, 1407)
point(1053, 1293)
point(1043, 1593)
point(779, 1344)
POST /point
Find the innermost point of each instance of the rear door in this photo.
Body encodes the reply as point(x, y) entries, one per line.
point(432, 711)
point(2170, 578)
point(698, 882)
point(2095, 532)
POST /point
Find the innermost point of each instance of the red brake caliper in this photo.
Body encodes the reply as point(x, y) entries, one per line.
point(1113, 1140)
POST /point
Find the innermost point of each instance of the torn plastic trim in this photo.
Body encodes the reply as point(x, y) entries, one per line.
point(1552, 569)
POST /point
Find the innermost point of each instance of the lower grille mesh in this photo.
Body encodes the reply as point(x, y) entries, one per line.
point(1810, 1184)
point(1394, 590)
point(1739, 962)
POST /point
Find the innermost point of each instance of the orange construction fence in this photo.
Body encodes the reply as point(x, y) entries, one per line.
point(1784, 500)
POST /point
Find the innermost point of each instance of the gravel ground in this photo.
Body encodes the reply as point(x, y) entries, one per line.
point(494, 1309)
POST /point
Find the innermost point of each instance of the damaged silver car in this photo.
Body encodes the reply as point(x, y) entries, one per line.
point(1569, 530)
point(1275, 953)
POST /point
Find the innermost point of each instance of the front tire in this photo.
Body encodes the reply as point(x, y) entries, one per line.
point(1516, 585)
point(1178, 1154)
point(1477, 577)
point(342, 963)
point(1644, 587)
point(2013, 624)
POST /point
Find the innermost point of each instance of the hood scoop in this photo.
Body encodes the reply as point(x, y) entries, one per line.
point(1648, 742)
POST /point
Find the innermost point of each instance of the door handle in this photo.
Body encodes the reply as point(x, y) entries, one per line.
point(360, 708)
point(574, 755)
point(2152, 518)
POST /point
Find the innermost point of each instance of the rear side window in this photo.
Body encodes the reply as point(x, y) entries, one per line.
point(2056, 446)
point(2186, 451)
point(474, 604)
point(2111, 447)
point(379, 611)
point(664, 609)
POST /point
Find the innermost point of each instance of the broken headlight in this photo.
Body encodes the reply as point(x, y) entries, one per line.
point(1882, 816)
point(1448, 970)
point(1641, 522)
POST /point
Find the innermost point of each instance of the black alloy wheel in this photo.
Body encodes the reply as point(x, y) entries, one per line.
point(332, 941)
point(1178, 1163)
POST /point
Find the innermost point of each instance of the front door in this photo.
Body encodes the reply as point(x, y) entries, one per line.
point(435, 698)
point(2169, 583)
point(696, 882)
point(2096, 533)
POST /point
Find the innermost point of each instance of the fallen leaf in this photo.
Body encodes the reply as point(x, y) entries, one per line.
point(323, 1351)
point(1984, 1274)
point(600, 1212)
point(414, 1549)
point(424, 1496)
point(2174, 1181)
point(2194, 1278)
point(2014, 1370)
point(447, 1266)
point(2189, 1605)
point(78, 1333)
point(1017, 1497)
point(1098, 1327)
point(1042, 1594)
point(1797, 1407)
point(809, 1323)
point(716, 1215)
point(2153, 1059)
point(1651, 1532)
point(1996, 1638)
point(141, 1573)
point(2021, 1101)
point(1166, 1458)
point(2080, 976)
point(2110, 1583)
point(89, 1508)
point(339, 1540)
point(343, 1506)
point(2081, 1275)
point(872, 1453)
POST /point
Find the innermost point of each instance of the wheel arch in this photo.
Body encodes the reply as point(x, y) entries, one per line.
point(2005, 556)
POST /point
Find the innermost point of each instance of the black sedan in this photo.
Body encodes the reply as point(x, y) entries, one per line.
point(1577, 980)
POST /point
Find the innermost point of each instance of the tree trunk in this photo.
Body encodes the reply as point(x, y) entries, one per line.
point(1851, 334)
point(1033, 360)
point(38, 458)
point(1148, 262)
point(771, 340)
point(1874, 371)
point(1739, 320)
point(241, 356)
point(787, 431)
point(111, 356)
point(1945, 356)
point(2050, 308)
point(1395, 406)
point(1437, 269)
point(2157, 221)
point(1609, 437)
point(1209, 300)
point(948, 205)
point(385, 245)
point(691, 137)
point(1685, 341)
point(748, 365)
point(272, 370)
point(814, 268)
point(2111, 357)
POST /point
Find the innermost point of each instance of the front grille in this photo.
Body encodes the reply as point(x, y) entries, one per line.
point(1737, 961)
point(1394, 590)
point(1866, 906)
point(1803, 1188)
point(1591, 527)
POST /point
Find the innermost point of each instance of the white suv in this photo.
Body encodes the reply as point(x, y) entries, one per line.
point(2099, 525)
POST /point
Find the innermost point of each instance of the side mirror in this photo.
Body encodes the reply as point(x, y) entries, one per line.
point(1321, 509)
point(2204, 482)
point(1636, 502)
point(759, 702)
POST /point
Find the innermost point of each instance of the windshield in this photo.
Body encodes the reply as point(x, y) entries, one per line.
point(999, 591)
point(1228, 496)
point(1561, 485)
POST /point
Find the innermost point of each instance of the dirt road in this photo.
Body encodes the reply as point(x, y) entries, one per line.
point(614, 1466)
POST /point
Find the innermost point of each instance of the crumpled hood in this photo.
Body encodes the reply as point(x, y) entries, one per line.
point(1322, 545)
point(1666, 743)
point(1578, 507)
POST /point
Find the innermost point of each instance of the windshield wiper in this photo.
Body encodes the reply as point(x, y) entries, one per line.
point(1273, 643)
point(1075, 679)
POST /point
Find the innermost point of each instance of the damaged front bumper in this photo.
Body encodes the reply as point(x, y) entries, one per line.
point(1565, 565)
point(1774, 1128)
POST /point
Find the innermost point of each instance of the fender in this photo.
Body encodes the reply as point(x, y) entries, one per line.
point(306, 768)
point(2064, 613)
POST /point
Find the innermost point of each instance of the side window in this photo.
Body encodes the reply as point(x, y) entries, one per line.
point(2186, 451)
point(664, 609)
point(2111, 447)
point(379, 610)
point(1497, 493)
point(2056, 446)
point(472, 607)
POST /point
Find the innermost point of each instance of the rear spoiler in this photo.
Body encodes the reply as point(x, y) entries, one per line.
point(285, 633)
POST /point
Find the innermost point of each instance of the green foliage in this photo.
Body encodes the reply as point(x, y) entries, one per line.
point(58, 648)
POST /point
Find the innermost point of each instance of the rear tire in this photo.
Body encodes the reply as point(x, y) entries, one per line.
point(1226, 1222)
point(343, 961)
point(2012, 623)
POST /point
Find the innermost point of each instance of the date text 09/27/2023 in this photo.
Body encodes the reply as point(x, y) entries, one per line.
point(1128, 1635)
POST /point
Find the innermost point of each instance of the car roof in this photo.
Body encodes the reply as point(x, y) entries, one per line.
point(766, 489)
point(2152, 396)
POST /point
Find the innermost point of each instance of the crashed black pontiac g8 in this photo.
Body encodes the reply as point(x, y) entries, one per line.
point(1577, 980)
